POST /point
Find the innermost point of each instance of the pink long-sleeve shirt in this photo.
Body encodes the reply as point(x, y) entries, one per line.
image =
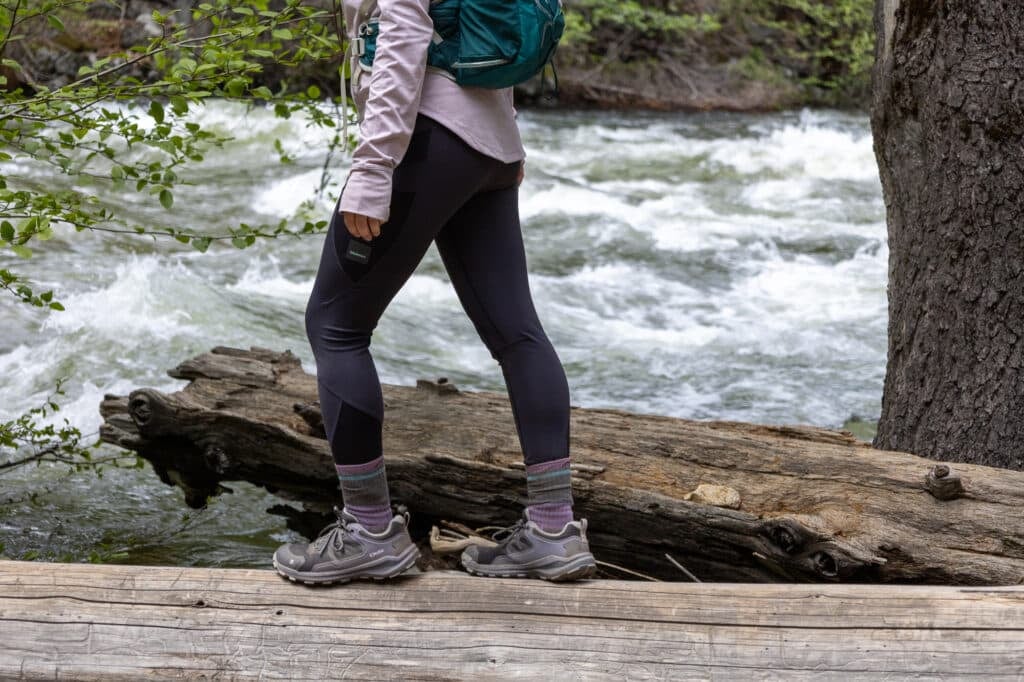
point(401, 85)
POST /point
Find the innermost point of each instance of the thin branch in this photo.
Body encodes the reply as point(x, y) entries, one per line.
point(10, 29)
point(627, 570)
point(682, 568)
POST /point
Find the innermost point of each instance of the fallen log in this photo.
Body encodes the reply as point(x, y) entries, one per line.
point(798, 503)
point(88, 622)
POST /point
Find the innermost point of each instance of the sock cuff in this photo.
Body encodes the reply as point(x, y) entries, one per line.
point(347, 470)
point(550, 465)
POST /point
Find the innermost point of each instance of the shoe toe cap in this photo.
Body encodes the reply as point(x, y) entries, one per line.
point(290, 556)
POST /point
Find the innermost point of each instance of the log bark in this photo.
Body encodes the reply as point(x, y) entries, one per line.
point(86, 622)
point(814, 505)
point(948, 120)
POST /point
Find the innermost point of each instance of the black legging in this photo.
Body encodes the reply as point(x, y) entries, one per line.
point(446, 191)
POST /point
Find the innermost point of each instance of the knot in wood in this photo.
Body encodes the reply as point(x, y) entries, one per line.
point(785, 539)
point(440, 387)
point(825, 564)
point(943, 483)
point(140, 409)
point(216, 459)
point(314, 418)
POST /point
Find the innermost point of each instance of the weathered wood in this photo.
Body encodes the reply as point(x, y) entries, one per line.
point(814, 504)
point(113, 622)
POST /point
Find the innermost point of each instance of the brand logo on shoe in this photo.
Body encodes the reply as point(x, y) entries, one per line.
point(379, 551)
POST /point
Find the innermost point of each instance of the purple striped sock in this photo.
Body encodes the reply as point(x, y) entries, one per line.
point(375, 519)
point(549, 494)
point(364, 492)
point(550, 516)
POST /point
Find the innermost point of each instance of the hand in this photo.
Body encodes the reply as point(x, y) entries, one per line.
point(361, 226)
point(522, 173)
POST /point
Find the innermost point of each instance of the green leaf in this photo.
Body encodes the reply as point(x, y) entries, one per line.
point(282, 34)
point(179, 104)
point(117, 174)
point(235, 87)
point(47, 296)
point(166, 198)
point(7, 231)
point(313, 92)
point(55, 22)
point(21, 250)
point(156, 110)
point(201, 243)
point(56, 306)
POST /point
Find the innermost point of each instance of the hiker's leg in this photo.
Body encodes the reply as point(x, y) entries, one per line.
point(351, 292)
point(482, 249)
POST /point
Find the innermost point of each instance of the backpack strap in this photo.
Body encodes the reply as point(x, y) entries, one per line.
point(351, 57)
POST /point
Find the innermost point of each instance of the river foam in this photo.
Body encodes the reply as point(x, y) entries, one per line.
point(722, 255)
point(712, 266)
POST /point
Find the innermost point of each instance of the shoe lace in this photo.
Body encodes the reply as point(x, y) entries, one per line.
point(334, 533)
point(506, 534)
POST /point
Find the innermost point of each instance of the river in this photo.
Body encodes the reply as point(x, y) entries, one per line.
point(709, 266)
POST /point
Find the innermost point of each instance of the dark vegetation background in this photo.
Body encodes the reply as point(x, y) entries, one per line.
point(663, 54)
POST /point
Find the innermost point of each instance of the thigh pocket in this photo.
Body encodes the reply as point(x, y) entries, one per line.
point(358, 257)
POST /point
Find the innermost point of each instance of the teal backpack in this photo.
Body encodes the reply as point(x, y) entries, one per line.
point(483, 43)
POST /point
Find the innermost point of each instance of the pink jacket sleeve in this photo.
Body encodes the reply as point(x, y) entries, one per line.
point(392, 102)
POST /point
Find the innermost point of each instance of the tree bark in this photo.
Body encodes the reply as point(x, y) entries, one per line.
point(730, 501)
point(948, 120)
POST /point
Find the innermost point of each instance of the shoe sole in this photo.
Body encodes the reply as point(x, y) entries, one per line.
point(380, 571)
point(578, 567)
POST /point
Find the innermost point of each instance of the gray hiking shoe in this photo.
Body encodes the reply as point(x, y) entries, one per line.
point(346, 549)
point(526, 551)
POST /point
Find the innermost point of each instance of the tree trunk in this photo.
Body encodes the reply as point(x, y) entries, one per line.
point(789, 503)
point(948, 121)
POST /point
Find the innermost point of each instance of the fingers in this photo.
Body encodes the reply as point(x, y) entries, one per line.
point(522, 173)
point(350, 223)
point(361, 226)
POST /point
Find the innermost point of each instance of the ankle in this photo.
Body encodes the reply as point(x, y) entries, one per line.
point(374, 518)
point(551, 517)
point(364, 492)
point(549, 494)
